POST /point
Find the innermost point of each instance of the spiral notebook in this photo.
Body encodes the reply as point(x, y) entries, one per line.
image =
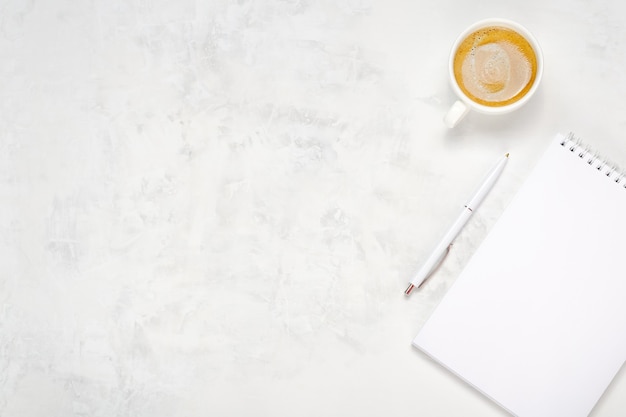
point(537, 320)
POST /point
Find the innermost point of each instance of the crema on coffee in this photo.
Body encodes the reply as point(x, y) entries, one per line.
point(495, 66)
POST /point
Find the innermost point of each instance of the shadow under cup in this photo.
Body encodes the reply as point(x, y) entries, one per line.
point(495, 67)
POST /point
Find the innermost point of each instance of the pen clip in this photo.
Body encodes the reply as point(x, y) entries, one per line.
point(436, 267)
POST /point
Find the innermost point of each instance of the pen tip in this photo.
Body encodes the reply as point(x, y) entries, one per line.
point(409, 289)
point(507, 155)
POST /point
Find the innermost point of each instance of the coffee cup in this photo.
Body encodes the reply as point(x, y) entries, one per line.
point(495, 67)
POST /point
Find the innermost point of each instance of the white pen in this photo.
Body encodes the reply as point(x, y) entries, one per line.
point(443, 247)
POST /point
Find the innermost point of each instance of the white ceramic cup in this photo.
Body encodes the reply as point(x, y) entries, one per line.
point(462, 106)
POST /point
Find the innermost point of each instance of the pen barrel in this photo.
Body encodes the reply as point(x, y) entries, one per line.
point(441, 249)
point(488, 183)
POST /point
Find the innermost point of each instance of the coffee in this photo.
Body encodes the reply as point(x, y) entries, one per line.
point(495, 66)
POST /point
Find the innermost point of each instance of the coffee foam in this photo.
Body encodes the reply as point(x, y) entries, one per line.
point(495, 66)
point(496, 72)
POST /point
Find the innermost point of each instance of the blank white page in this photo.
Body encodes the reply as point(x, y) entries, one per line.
point(536, 321)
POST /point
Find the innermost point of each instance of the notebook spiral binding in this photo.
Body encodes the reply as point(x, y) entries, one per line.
point(593, 159)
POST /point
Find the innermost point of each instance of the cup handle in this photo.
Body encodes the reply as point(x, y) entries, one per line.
point(455, 114)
